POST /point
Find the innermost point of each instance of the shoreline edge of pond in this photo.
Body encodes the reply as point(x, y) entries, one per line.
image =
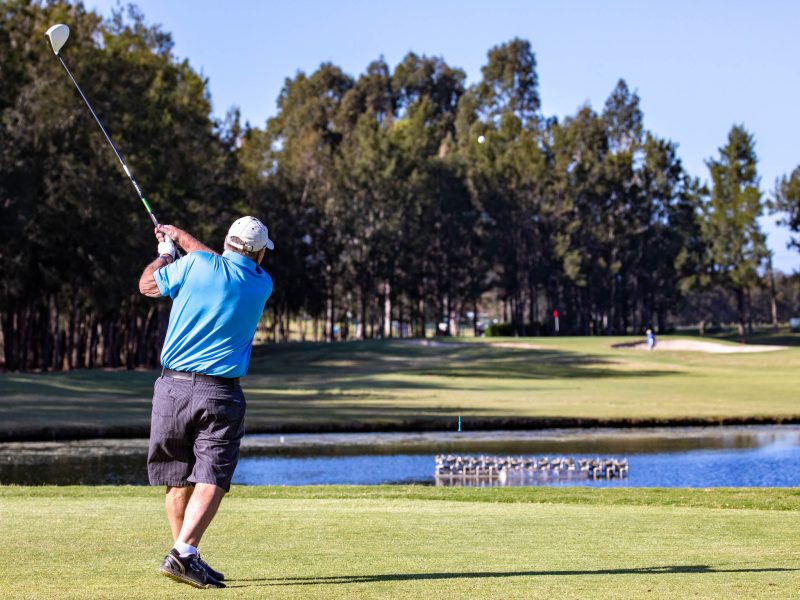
point(54, 432)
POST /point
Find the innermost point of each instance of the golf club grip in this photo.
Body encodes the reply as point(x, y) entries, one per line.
point(177, 252)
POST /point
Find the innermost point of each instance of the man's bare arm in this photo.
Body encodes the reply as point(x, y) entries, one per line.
point(187, 242)
point(147, 283)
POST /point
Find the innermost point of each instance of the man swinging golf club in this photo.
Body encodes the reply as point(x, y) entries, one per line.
point(198, 406)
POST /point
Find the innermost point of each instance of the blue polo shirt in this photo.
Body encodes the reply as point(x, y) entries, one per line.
point(217, 302)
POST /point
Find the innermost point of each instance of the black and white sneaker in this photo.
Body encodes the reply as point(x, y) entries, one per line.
point(214, 573)
point(187, 569)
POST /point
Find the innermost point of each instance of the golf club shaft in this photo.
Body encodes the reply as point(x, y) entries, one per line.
point(113, 147)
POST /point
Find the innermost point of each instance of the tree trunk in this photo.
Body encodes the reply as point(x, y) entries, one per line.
point(387, 309)
point(611, 313)
point(330, 318)
point(58, 348)
point(452, 318)
point(362, 334)
point(662, 320)
point(474, 317)
point(773, 299)
point(35, 336)
point(144, 336)
point(279, 326)
point(749, 309)
point(740, 311)
point(303, 326)
point(9, 358)
point(421, 308)
point(24, 342)
point(110, 359)
point(45, 335)
point(72, 339)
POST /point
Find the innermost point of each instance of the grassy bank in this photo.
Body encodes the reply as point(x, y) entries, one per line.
point(405, 384)
point(407, 542)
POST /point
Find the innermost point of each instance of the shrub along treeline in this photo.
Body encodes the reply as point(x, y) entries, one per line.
point(400, 196)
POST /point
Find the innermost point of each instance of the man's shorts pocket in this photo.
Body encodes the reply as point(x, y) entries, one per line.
point(225, 409)
point(163, 399)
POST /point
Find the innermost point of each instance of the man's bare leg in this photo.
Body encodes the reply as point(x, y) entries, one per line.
point(176, 500)
point(199, 512)
point(190, 511)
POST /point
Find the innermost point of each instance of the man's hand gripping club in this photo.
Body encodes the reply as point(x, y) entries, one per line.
point(169, 239)
point(166, 247)
point(183, 240)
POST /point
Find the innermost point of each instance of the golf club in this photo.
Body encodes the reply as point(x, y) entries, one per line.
point(58, 36)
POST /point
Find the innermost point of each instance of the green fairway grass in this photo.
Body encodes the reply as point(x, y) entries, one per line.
point(411, 542)
point(404, 383)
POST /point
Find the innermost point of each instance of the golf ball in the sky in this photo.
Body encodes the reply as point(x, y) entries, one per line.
point(481, 139)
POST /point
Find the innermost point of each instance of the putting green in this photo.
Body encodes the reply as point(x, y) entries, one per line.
point(411, 542)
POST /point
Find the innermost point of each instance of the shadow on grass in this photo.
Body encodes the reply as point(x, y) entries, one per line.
point(354, 364)
point(343, 366)
point(89, 384)
point(390, 381)
point(345, 579)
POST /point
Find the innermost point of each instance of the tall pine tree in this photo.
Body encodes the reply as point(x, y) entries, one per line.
point(735, 241)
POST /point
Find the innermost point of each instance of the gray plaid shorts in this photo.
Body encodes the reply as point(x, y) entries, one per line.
point(195, 432)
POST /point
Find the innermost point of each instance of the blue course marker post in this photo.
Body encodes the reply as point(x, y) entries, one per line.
point(459, 422)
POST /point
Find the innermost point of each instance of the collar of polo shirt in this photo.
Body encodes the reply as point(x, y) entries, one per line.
point(239, 259)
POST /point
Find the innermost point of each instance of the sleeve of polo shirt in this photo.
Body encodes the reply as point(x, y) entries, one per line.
point(170, 278)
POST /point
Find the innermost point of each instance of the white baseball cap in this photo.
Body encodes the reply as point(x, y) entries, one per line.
point(253, 234)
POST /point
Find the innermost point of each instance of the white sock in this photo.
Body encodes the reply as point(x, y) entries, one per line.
point(185, 549)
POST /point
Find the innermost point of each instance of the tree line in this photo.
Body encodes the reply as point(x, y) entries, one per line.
point(397, 198)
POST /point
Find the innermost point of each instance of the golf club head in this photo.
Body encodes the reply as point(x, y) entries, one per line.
point(58, 35)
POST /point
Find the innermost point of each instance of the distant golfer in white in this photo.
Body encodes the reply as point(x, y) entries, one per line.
point(651, 339)
point(198, 406)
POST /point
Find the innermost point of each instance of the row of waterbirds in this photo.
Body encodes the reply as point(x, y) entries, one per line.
point(528, 466)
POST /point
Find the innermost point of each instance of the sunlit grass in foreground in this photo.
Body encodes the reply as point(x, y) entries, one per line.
point(411, 542)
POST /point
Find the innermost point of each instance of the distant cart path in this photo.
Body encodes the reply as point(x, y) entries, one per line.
point(426, 385)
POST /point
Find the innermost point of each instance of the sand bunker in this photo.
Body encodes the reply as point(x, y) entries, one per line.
point(700, 346)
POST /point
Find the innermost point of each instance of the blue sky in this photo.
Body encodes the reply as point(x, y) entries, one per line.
point(699, 67)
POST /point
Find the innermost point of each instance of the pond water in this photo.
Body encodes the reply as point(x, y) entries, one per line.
point(759, 456)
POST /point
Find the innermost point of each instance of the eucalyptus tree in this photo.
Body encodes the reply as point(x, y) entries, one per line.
point(302, 142)
point(73, 232)
point(737, 246)
point(428, 91)
point(624, 210)
point(669, 240)
point(366, 168)
point(580, 147)
point(498, 126)
point(787, 200)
